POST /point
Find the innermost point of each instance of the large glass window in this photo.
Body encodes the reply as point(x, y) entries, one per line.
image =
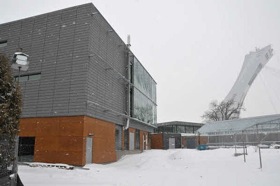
point(189, 129)
point(144, 94)
point(143, 81)
point(144, 109)
point(180, 129)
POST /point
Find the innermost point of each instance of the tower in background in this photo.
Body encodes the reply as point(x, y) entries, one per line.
point(252, 65)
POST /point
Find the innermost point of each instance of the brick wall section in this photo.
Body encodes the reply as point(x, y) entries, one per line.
point(202, 139)
point(157, 141)
point(103, 139)
point(63, 139)
point(144, 136)
point(57, 139)
point(141, 140)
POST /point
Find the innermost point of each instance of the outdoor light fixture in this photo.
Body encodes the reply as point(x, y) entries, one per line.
point(20, 61)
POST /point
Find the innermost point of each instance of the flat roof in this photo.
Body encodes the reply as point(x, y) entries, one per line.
point(179, 123)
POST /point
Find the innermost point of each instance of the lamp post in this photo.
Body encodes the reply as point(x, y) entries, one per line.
point(19, 62)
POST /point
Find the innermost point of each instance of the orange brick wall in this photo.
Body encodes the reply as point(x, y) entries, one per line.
point(157, 141)
point(57, 139)
point(142, 133)
point(202, 139)
point(141, 140)
point(63, 139)
point(103, 139)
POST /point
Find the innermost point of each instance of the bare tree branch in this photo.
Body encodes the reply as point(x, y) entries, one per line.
point(225, 110)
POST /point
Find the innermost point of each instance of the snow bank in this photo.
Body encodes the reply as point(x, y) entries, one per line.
point(168, 167)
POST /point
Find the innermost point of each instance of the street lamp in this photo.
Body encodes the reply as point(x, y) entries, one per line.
point(19, 62)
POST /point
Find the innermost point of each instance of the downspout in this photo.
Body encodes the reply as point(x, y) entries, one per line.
point(129, 81)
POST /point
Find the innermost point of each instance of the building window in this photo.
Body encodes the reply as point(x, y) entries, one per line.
point(126, 139)
point(137, 139)
point(26, 149)
point(3, 43)
point(28, 77)
point(144, 94)
point(118, 138)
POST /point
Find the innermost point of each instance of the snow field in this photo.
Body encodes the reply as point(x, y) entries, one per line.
point(166, 168)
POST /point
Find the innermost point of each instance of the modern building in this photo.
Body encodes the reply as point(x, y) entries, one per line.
point(176, 134)
point(86, 97)
point(178, 127)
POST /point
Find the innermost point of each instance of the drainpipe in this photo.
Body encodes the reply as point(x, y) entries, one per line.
point(129, 81)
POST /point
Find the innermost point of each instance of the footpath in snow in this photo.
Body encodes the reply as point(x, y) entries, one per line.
point(166, 168)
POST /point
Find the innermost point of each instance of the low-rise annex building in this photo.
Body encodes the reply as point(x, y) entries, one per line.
point(86, 97)
point(176, 134)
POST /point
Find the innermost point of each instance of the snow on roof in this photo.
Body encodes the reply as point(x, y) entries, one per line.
point(188, 134)
point(236, 125)
point(179, 123)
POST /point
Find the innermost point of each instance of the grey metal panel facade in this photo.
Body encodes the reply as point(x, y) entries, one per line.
point(57, 43)
point(108, 62)
point(82, 62)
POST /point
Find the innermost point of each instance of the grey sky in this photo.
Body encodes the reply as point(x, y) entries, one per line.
point(194, 49)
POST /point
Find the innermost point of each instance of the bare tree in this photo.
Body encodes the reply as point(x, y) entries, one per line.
point(225, 110)
point(10, 110)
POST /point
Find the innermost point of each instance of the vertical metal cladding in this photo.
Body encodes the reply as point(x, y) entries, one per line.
point(107, 76)
point(57, 44)
point(82, 64)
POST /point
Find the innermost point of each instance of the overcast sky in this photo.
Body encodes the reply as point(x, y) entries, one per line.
point(194, 49)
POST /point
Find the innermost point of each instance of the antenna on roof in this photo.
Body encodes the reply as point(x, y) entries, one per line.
point(128, 41)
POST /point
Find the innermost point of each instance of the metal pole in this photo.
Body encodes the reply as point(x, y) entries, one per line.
point(15, 164)
point(244, 147)
point(260, 156)
point(18, 73)
point(244, 152)
point(128, 86)
point(235, 143)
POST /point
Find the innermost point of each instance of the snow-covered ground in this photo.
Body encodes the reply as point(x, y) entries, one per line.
point(168, 167)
